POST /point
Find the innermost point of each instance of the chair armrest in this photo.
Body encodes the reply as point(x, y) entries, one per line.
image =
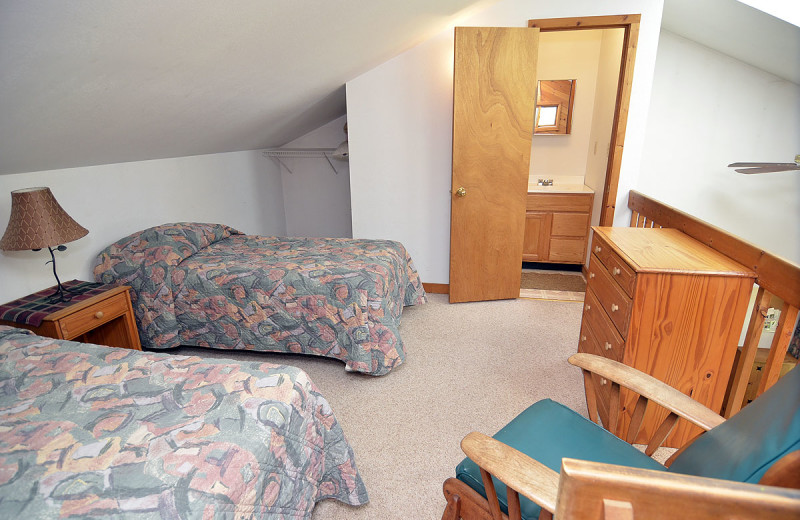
point(590, 489)
point(518, 471)
point(649, 387)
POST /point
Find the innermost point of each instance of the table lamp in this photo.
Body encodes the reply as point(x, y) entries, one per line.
point(38, 221)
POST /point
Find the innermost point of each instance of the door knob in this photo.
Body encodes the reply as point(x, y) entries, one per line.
point(461, 192)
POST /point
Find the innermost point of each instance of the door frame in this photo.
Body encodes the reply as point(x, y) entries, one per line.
point(630, 23)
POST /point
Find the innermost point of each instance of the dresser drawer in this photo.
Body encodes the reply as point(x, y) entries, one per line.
point(620, 271)
point(89, 318)
point(612, 298)
point(609, 342)
point(601, 386)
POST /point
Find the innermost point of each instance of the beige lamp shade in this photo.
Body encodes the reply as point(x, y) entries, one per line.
point(38, 221)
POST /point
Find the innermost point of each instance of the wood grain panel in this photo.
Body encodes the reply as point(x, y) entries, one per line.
point(622, 273)
point(579, 202)
point(79, 322)
point(536, 245)
point(659, 250)
point(570, 224)
point(494, 91)
point(610, 342)
point(588, 344)
point(779, 276)
point(567, 250)
point(436, 288)
point(681, 333)
point(615, 302)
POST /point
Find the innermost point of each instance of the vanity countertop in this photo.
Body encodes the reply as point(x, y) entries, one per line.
point(560, 188)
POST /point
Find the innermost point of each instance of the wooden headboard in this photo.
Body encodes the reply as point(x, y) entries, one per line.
point(775, 277)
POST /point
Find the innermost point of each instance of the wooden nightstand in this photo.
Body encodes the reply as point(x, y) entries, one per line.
point(105, 319)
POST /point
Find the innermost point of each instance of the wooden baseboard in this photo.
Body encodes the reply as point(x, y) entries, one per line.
point(437, 288)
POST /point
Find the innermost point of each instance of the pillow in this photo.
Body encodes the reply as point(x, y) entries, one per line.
point(144, 261)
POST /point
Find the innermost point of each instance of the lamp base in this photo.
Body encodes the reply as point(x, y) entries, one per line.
point(61, 294)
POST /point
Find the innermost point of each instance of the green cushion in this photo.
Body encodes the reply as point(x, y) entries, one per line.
point(746, 445)
point(548, 431)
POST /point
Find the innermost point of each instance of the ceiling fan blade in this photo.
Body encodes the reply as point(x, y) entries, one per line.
point(770, 169)
point(762, 164)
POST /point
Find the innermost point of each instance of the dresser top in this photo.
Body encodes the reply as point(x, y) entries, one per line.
point(657, 249)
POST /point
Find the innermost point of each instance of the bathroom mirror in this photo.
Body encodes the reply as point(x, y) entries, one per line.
point(554, 99)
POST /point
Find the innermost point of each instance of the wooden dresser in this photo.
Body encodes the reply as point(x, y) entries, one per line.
point(665, 304)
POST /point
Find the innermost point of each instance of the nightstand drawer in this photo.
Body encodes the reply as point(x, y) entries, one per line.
point(616, 303)
point(92, 317)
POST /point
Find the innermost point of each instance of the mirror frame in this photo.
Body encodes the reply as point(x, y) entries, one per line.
point(559, 93)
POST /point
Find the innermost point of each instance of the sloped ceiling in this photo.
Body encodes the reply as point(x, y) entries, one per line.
point(740, 31)
point(105, 81)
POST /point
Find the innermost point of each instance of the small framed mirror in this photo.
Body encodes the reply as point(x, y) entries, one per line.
point(554, 99)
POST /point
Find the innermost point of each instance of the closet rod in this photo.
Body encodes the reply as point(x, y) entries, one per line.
point(289, 153)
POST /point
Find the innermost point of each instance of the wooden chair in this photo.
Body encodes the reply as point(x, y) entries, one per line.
point(715, 475)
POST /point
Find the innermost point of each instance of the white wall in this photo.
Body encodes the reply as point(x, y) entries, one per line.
point(317, 198)
point(567, 55)
point(241, 189)
point(709, 110)
point(400, 120)
point(603, 117)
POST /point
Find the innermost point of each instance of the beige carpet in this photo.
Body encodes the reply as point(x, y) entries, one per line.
point(470, 366)
point(553, 281)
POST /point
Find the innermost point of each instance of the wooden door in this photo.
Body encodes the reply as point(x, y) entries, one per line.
point(494, 95)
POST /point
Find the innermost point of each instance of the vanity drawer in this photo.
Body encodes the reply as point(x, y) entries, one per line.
point(570, 224)
point(576, 202)
point(92, 317)
point(566, 249)
point(613, 299)
point(609, 342)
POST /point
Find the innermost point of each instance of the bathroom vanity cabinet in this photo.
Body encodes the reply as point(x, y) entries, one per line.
point(557, 225)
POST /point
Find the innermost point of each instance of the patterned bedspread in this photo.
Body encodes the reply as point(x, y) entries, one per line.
point(209, 285)
point(87, 430)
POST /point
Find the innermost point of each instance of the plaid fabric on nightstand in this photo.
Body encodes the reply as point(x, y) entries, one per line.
point(32, 309)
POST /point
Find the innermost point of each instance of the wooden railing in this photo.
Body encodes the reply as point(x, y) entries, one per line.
point(775, 277)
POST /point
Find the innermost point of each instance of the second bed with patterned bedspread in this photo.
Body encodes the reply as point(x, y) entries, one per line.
point(209, 285)
point(93, 431)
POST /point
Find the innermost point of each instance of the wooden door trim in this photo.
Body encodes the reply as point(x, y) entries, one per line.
point(436, 288)
point(630, 23)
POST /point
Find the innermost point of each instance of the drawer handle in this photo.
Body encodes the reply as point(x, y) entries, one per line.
point(587, 307)
point(591, 275)
point(607, 346)
point(614, 307)
point(99, 315)
point(603, 381)
point(597, 249)
point(583, 338)
point(616, 270)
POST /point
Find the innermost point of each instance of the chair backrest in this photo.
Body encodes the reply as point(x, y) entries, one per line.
point(745, 446)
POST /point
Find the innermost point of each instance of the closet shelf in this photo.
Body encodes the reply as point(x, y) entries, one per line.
point(291, 153)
